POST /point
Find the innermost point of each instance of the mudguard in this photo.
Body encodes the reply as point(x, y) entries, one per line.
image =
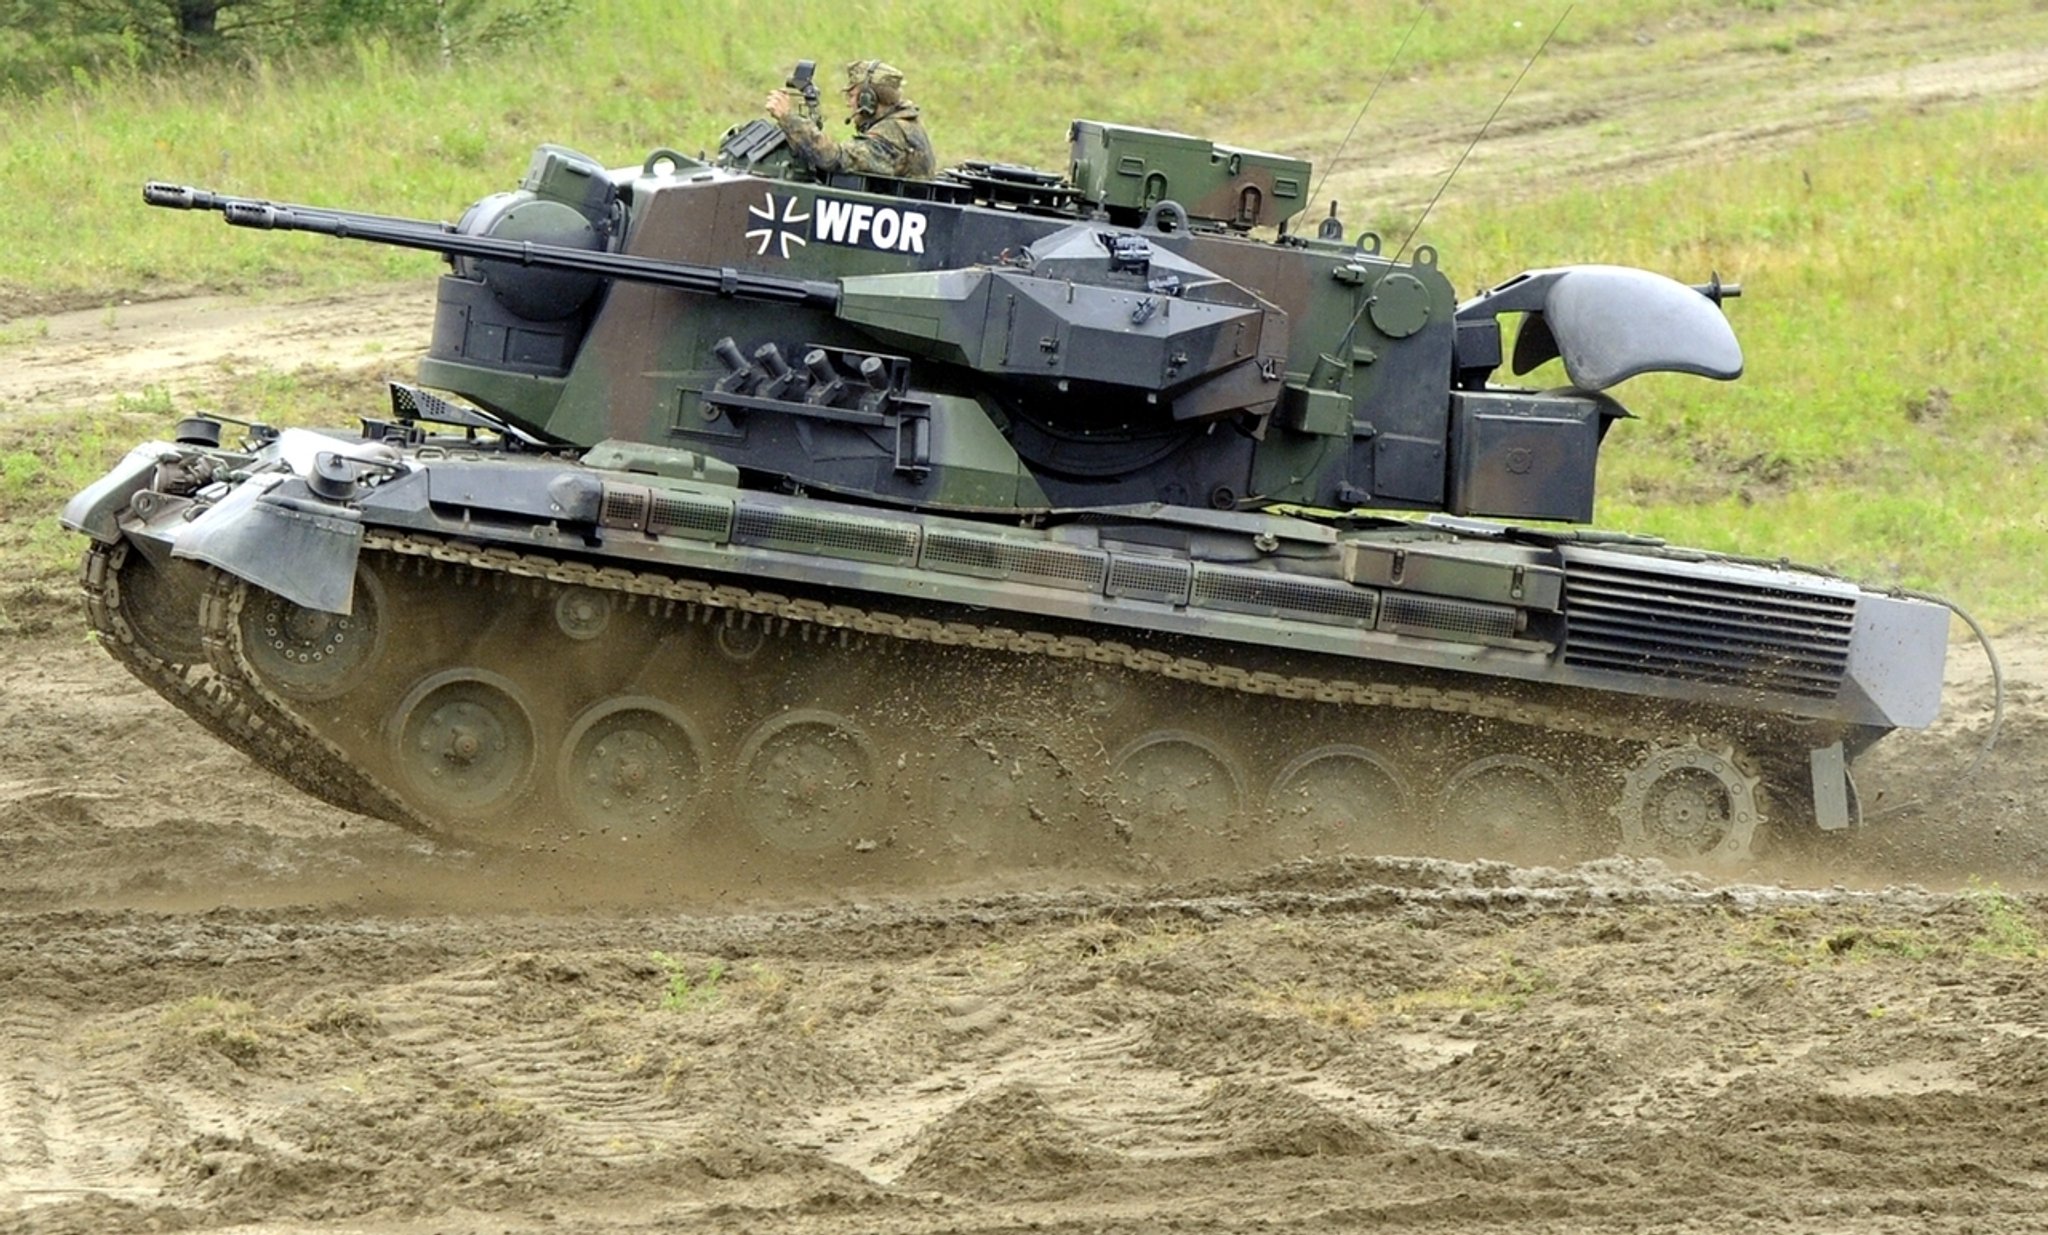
point(95, 510)
point(296, 546)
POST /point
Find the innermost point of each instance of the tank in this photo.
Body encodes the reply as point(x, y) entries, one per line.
point(1117, 515)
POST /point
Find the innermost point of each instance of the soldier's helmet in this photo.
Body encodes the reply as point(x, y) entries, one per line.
point(876, 86)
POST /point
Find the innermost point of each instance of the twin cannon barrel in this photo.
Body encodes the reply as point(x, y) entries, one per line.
point(446, 239)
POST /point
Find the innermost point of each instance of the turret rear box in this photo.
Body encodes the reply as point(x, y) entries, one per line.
point(1125, 169)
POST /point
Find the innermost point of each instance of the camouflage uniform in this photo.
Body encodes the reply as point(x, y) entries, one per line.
point(888, 139)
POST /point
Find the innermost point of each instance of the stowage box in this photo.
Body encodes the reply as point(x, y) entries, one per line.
point(1126, 169)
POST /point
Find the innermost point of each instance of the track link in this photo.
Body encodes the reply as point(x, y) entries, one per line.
point(225, 704)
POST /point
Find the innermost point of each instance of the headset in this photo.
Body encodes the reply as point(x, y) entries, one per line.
point(864, 101)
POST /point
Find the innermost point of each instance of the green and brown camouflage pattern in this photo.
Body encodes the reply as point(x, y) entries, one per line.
point(890, 143)
point(1040, 415)
point(1131, 170)
point(1274, 366)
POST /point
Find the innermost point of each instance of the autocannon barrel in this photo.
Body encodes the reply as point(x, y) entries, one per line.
point(447, 240)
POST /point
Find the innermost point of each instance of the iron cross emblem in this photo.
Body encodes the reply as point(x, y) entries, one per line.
point(781, 226)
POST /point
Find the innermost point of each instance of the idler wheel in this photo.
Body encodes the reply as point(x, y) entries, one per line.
point(464, 744)
point(308, 654)
point(1339, 799)
point(160, 604)
point(1502, 804)
point(809, 780)
point(1689, 800)
point(1175, 790)
point(631, 764)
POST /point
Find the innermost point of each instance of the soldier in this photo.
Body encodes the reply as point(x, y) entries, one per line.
point(887, 140)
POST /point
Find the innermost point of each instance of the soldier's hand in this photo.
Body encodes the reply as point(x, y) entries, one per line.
point(777, 103)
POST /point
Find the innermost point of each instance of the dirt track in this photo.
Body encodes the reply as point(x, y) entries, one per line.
point(224, 1007)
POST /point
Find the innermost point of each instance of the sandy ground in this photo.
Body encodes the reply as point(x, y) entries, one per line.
point(225, 1007)
point(228, 1009)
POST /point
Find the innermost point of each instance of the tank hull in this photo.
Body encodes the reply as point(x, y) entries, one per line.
point(538, 651)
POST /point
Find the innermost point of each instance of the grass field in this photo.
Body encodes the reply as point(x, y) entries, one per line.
point(1893, 419)
point(1891, 423)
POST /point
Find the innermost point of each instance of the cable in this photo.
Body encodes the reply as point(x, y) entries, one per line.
point(1365, 302)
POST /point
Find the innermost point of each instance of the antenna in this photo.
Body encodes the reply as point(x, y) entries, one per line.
point(1366, 302)
point(1384, 74)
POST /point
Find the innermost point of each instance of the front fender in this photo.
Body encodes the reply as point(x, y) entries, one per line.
point(95, 510)
point(292, 544)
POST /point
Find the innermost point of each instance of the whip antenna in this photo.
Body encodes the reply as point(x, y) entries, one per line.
point(1384, 74)
point(1366, 302)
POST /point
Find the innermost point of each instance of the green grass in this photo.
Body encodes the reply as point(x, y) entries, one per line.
point(1506, 985)
point(2004, 930)
point(1889, 267)
point(1892, 376)
point(217, 1025)
point(687, 987)
point(46, 456)
point(24, 331)
point(44, 459)
point(383, 131)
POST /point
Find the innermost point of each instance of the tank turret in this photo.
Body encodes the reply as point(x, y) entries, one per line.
point(1109, 345)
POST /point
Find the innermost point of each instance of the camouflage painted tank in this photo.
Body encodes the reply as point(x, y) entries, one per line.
point(1008, 516)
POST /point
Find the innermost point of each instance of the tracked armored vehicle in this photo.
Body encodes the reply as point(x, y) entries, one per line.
point(1008, 516)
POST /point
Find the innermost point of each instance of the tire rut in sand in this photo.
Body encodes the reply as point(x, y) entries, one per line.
point(78, 1118)
point(473, 1030)
point(1342, 1043)
point(28, 1088)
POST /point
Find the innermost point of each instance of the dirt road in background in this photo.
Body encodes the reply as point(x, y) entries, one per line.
point(225, 1007)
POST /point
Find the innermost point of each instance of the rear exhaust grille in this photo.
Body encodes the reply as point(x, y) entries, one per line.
point(1706, 628)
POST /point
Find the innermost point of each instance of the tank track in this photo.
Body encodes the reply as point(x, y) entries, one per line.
point(1652, 766)
point(224, 704)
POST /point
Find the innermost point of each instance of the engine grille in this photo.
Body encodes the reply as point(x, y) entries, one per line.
point(1144, 578)
point(1437, 617)
point(624, 507)
point(1275, 595)
point(871, 540)
point(995, 557)
point(702, 518)
point(1706, 628)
